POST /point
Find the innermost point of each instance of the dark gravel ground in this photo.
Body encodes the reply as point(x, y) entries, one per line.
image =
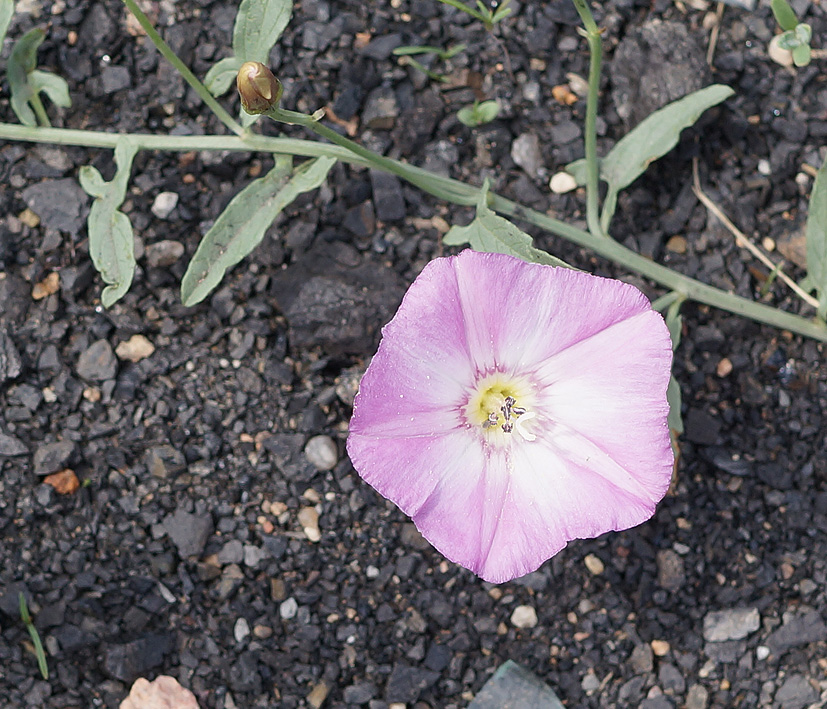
point(190, 549)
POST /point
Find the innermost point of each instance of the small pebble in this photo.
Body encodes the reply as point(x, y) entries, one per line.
point(762, 652)
point(163, 254)
point(562, 182)
point(322, 452)
point(289, 608)
point(660, 648)
point(241, 630)
point(164, 203)
point(135, 348)
point(724, 368)
point(676, 244)
point(309, 520)
point(46, 287)
point(593, 564)
point(524, 617)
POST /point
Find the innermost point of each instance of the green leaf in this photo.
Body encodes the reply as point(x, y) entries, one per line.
point(478, 114)
point(6, 13)
point(817, 239)
point(54, 86)
point(784, 14)
point(242, 225)
point(26, 82)
point(221, 75)
point(258, 26)
point(656, 135)
point(673, 397)
point(111, 240)
point(22, 61)
point(490, 233)
point(801, 55)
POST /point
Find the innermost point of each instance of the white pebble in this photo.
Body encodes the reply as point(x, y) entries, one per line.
point(164, 203)
point(289, 608)
point(762, 652)
point(322, 452)
point(241, 630)
point(764, 167)
point(524, 617)
point(371, 572)
point(594, 564)
point(562, 182)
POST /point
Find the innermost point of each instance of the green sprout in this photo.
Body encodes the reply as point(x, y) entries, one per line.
point(479, 113)
point(796, 36)
point(38, 646)
point(489, 17)
point(407, 53)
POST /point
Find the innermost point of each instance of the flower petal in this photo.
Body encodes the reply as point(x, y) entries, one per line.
point(594, 455)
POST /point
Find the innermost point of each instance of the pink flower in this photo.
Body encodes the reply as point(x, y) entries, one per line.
point(513, 407)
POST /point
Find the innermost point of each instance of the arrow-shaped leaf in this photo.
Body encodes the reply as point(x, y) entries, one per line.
point(241, 226)
point(111, 240)
point(817, 239)
point(492, 233)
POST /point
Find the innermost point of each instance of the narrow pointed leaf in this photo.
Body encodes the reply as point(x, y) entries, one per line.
point(817, 239)
point(111, 239)
point(258, 26)
point(6, 13)
point(22, 61)
point(784, 14)
point(492, 233)
point(242, 225)
point(673, 397)
point(656, 135)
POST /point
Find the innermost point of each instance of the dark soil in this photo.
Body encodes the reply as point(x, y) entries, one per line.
point(183, 552)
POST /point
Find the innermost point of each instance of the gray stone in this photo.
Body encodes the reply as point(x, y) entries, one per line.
point(253, 555)
point(697, 697)
point(164, 460)
point(130, 660)
point(163, 254)
point(656, 64)
point(60, 204)
point(115, 78)
point(642, 659)
point(387, 196)
point(671, 679)
point(360, 693)
point(514, 687)
point(671, 575)
point(797, 630)
point(11, 447)
point(51, 457)
point(658, 702)
point(406, 683)
point(381, 48)
point(322, 453)
point(189, 532)
point(98, 362)
point(10, 364)
point(231, 553)
point(796, 693)
point(525, 151)
point(731, 624)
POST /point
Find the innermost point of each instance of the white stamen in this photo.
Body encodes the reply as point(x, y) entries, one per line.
point(518, 424)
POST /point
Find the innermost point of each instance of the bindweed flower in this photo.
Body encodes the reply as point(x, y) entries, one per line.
point(513, 407)
point(258, 88)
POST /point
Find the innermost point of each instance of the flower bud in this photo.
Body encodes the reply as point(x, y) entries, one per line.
point(259, 89)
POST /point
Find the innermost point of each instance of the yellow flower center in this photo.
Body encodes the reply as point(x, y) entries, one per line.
point(501, 404)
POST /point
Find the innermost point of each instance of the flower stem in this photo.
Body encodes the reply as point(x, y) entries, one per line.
point(184, 70)
point(593, 37)
point(445, 188)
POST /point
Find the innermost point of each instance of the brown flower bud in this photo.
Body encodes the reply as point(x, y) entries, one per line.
point(259, 89)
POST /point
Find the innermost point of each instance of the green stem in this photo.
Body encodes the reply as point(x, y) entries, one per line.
point(443, 187)
point(39, 110)
point(592, 35)
point(184, 70)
